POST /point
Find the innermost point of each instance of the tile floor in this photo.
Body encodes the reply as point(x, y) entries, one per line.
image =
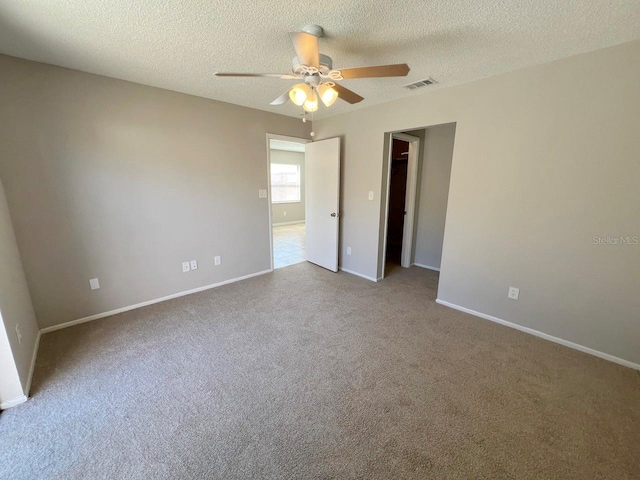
point(288, 245)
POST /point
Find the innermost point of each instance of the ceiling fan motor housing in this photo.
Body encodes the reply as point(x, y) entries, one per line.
point(312, 80)
point(326, 64)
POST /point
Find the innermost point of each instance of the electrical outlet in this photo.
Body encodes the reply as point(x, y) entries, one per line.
point(514, 293)
point(186, 267)
point(262, 193)
point(194, 265)
point(348, 250)
point(370, 195)
point(18, 333)
point(94, 283)
point(284, 213)
point(216, 260)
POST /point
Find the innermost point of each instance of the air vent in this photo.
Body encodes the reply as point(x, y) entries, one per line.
point(420, 83)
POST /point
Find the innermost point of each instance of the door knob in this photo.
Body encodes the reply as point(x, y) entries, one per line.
point(335, 214)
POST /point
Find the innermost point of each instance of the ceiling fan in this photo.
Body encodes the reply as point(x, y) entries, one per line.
point(318, 76)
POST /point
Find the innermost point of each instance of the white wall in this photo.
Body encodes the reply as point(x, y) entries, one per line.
point(110, 179)
point(10, 387)
point(545, 159)
point(15, 310)
point(434, 194)
point(290, 212)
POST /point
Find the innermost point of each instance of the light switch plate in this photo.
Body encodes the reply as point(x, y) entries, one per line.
point(94, 283)
point(514, 293)
point(194, 265)
point(348, 250)
point(216, 260)
point(186, 267)
point(262, 193)
point(371, 195)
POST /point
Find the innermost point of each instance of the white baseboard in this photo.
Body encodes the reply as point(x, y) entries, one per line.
point(33, 364)
point(13, 403)
point(149, 302)
point(373, 279)
point(543, 335)
point(426, 266)
point(288, 223)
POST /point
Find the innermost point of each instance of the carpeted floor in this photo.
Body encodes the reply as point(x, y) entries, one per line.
point(305, 374)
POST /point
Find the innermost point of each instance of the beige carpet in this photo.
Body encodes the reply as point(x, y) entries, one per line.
point(306, 374)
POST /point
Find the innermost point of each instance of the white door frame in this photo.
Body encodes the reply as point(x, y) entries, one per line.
point(410, 198)
point(274, 136)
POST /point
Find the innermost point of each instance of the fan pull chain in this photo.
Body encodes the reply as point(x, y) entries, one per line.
point(313, 134)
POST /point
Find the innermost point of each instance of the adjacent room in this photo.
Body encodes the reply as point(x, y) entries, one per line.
point(286, 161)
point(348, 240)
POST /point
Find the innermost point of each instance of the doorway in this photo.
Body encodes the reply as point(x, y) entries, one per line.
point(287, 201)
point(401, 191)
point(397, 200)
point(304, 178)
point(417, 189)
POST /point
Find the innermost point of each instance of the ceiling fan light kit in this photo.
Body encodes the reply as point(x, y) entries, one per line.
point(298, 94)
point(306, 96)
point(313, 68)
point(311, 103)
point(327, 94)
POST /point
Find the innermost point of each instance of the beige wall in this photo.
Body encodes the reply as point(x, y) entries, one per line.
point(434, 193)
point(545, 159)
point(123, 182)
point(290, 212)
point(15, 309)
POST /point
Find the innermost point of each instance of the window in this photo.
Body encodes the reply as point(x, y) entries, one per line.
point(285, 183)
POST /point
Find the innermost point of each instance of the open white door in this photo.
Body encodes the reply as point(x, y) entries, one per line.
point(322, 164)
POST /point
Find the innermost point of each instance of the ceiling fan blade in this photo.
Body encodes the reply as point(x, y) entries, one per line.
point(397, 70)
point(258, 75)
point(306, 47)
point(347, 95)
point(282, 99)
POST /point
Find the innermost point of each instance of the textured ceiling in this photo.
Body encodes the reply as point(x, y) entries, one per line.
point(179, 44)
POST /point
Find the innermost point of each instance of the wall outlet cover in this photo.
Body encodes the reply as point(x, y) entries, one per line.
point(514, 293)
point(370, 195)
point(94, 283)
point(186, 267)
point(262, 193)
point(194, 265)
point(216, 260)
point(348, 250)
